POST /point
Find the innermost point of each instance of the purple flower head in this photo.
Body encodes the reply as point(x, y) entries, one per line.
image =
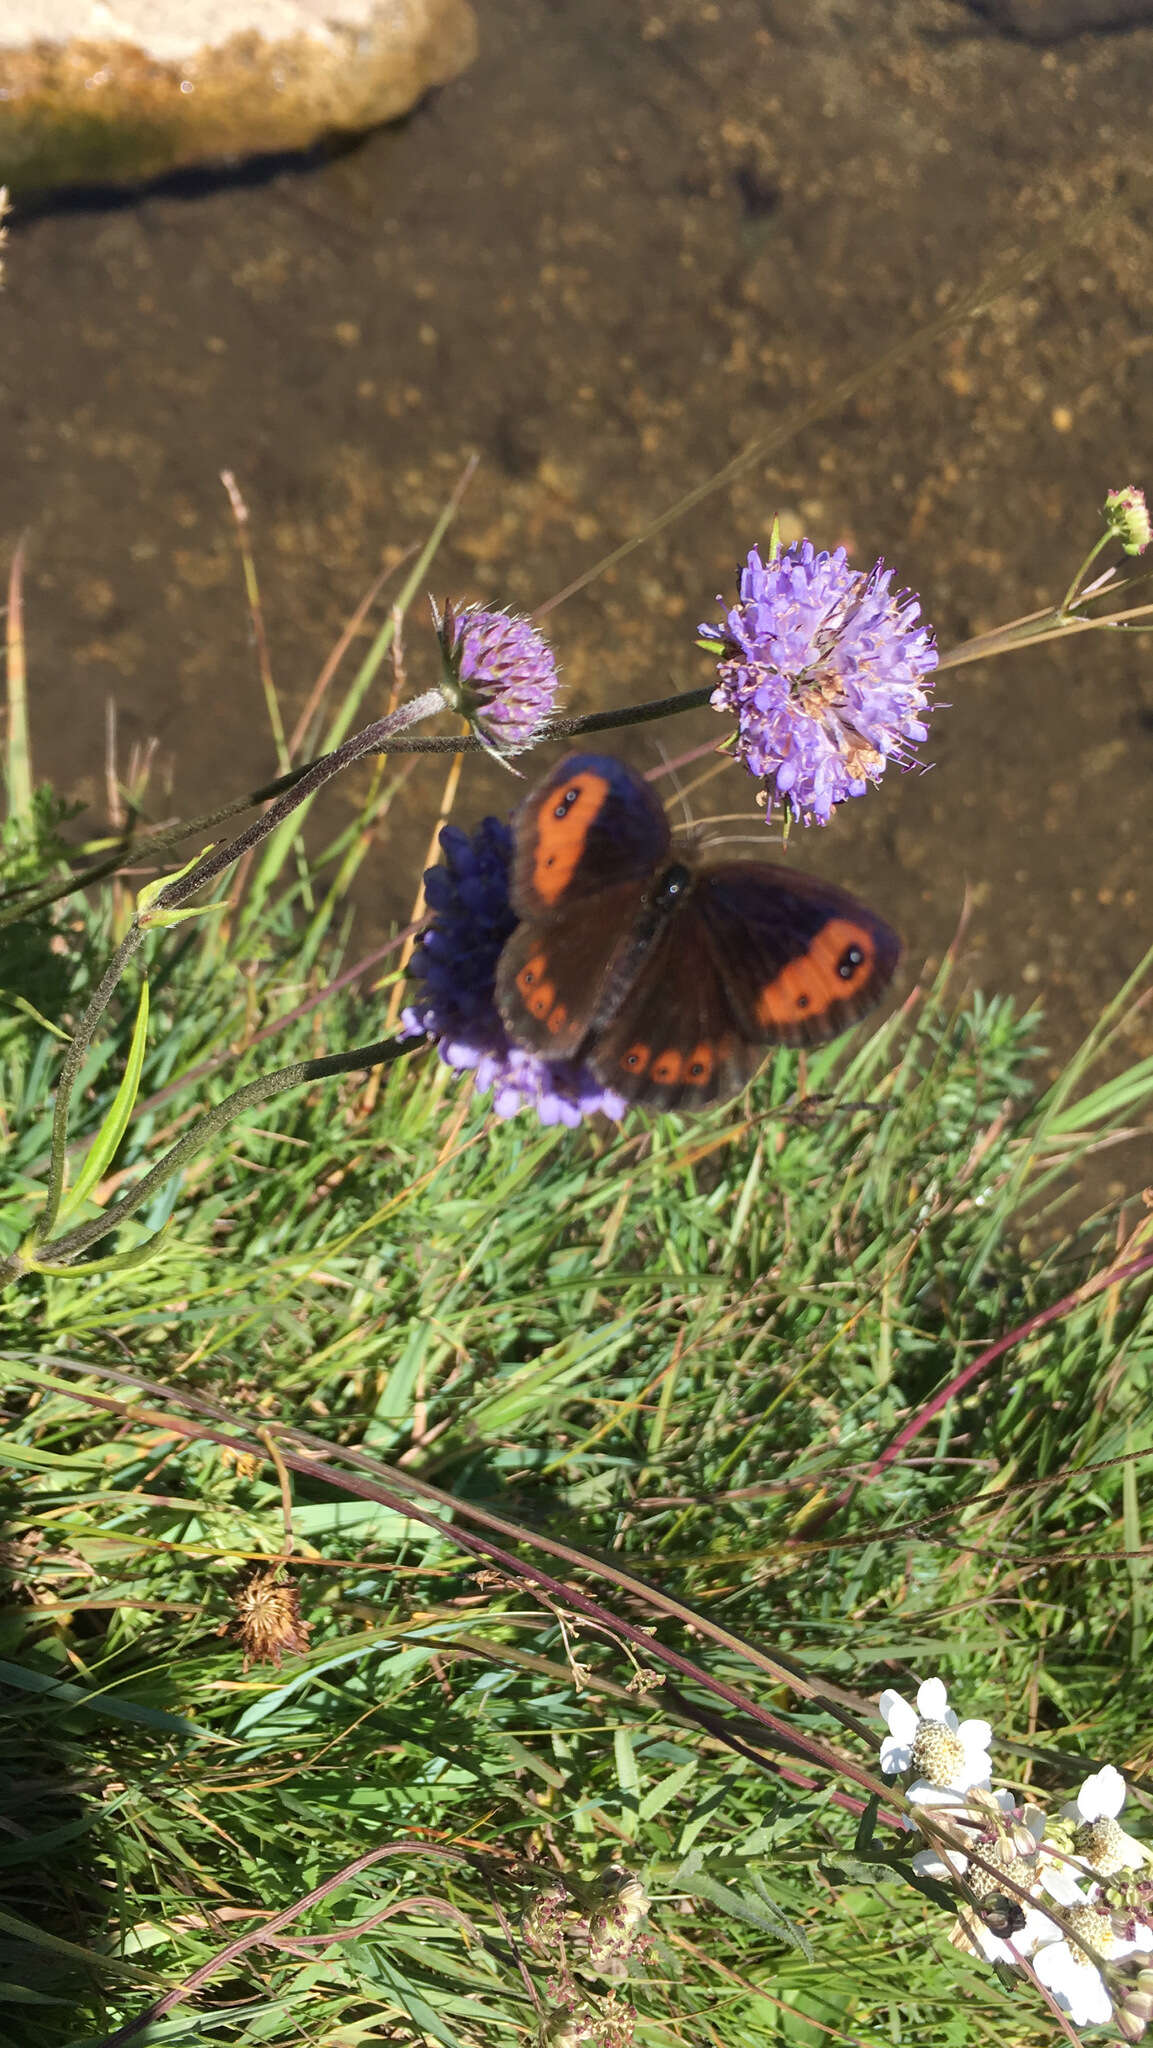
point(455, 964)
point(499, 673)
point(823, 667)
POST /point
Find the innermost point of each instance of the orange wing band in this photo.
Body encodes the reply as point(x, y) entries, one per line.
point(563, 823)
point(636, 1059)
point(538, 991)
point(840, 958)
point(700, 1063)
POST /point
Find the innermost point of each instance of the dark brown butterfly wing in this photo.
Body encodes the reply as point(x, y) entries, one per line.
point(802, 960)
point(590, 824)
point(587, 842)
point(674, 1041)
point(752, 956)
point(559, 976)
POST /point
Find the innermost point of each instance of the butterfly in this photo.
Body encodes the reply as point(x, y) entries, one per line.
point(670, 976)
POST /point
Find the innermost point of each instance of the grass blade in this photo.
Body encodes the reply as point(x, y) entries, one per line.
point(106, 1143)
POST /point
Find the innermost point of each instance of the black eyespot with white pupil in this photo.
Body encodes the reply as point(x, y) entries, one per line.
point(566, 803)
point(850, 961)
point(672, 885)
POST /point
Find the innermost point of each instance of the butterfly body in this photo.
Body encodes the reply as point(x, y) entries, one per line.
point(668, 975)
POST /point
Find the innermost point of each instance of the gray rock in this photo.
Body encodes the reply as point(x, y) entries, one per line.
point(120, 90)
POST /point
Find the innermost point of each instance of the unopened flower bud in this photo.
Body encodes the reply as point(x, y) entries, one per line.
point(1133, 2008)
point(1127, 515)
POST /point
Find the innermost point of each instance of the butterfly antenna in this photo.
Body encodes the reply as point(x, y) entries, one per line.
point(716, 839)
point(670, 768)
point(759, 835)
point(709, 774)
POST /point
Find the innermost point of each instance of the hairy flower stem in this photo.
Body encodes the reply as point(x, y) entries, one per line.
point(18, 903)
point(369, 741)
point(1074, 591)
point(314, 1457)
point(64, 1249)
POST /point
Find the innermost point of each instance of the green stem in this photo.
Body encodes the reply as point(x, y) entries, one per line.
point(73, 1061)
point(64, 1249)
point(1071, 594)
point(417, 580)
point(1047, 625)
point(572, 728)
point(1006, 277)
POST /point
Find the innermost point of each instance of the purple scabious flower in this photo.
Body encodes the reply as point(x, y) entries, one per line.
point(823, 667)
point(455, 963)
point(499, 672)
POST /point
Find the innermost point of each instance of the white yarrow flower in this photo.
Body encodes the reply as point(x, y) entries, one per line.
point(1099, 1837)
point(1063, 1967)
point(1075, 1982)
point(945, 1752)
point(923, 1792)
point(1101, 1796)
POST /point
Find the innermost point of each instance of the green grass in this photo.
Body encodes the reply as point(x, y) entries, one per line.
point(667, 1348)
point(582, 1439)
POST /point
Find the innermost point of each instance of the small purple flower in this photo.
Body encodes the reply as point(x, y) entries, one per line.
point(499, 673)
point(823, 667)
point(455, 964)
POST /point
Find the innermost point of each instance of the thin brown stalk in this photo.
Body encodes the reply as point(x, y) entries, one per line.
point(268, 1929)
point(416, 915)
point(256, 616)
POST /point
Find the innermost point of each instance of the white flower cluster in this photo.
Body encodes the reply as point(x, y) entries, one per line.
point(1008, 1860)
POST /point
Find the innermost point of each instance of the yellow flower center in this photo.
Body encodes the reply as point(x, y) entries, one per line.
point(1102, 1844)
point(938, 1754)
point(1094, 1928)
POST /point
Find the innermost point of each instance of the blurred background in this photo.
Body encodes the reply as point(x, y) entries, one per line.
point(625, 242)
